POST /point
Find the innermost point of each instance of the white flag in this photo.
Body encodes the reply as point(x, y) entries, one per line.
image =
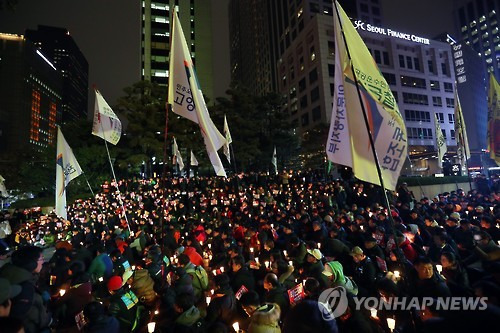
point(274, 161)
point(186, 98)
point(107, 125)
point(440, 142)
point(3, 189)
point(67, 169)
point(229, 140)
point(461, 133)
point(194, 161)
point(177, 156)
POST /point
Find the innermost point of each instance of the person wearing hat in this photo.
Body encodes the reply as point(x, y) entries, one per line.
point(334, 272)
point(364, 272)
point(123, 305)
point(26, 263)
point(7, 293)
point(373, 250)
point(314, 266)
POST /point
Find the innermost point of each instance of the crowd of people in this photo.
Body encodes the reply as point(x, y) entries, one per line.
point(251, 253)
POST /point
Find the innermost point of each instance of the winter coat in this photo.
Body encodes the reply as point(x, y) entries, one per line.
point(222, 308)
point(339, 279)
point(243, 277)
point(123, 306)
point(189, 317)
point(265, 319)
point(101, 266)
point(278, 295)
point(28, 306)
point(73, 302)
point(143, 286)
point(104, 324)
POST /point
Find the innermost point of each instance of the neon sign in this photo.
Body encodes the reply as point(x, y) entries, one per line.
point(360, 25)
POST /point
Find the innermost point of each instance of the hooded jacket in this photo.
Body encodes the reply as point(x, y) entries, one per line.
point(189, 317)
point(28, 306)
point(339, 278)
point(265, 319)
point(143, 286)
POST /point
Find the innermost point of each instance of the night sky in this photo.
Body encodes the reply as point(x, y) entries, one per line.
point(108, 31)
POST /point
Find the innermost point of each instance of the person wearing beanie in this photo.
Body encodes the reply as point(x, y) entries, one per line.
point(364, 272)
point(26, 263)
point(98, 321)
point(123, 305)
point(222, 307)
point(334, 272)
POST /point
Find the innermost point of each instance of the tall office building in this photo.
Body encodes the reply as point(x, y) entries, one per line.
point(262, 30)
point(419, 71)
point(198, 23)
point(30, 95)
point(61, 49)
point(477, 25)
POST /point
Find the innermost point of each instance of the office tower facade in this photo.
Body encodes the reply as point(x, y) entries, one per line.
point(420, 72)
point(31, 93)
point(196, 18)
point(477, 26)
point(262, 30)
point(61, 49)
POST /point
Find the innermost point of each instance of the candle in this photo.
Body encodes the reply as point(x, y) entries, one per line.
point(439, 268)
point(201, 243)
point(266, 263)
point(222, 269)
point(236, 327)
point(209, 257)
point(214, 272)
point(156, 312)
point(101, 279)
point(133, 267)
point(208, 299)
point(373, 313)
point(151, 327)
point(290, 263)
point(209, 245)
point(391, 323)
point(396, 274)
point(251, 250)
point(212, 291)
point(319, 245)
point(62, 292)
point(257, 260)
point(284, 253)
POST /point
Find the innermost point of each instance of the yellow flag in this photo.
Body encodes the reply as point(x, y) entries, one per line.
point(494, 119)
point(385, 121)
point(461, 133)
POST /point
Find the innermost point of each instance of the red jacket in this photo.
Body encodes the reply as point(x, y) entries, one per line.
point(194, 256)
point(408, 250)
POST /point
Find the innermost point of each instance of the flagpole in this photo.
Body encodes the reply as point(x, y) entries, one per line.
point(234, 159)
point(113, 172)
point(370, 136)
point(462, 131)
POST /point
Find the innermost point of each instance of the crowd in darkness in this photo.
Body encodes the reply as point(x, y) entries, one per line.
point(251, 253)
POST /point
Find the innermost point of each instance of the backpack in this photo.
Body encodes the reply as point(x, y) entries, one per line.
point(199, 273)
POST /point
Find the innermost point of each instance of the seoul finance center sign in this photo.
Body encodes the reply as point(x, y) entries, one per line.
point(360, 25)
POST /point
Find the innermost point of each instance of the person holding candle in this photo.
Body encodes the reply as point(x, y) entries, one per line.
point(222, 308)
point(263, 318)
point(187, 314)
point(364, 272)
point(455, 275)
point(426, 283)
point(123, 305)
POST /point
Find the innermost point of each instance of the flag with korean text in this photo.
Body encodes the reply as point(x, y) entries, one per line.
point(67, 169)
point(229, 140)
point(106, 125)
point(440, 142)
point(186, 98)
point(461, 133)
point(348, 141)
point(494, 119)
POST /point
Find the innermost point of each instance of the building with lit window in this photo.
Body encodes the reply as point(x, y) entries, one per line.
point(420, 72)
point(477, 26)
point(30, 96)
point(61, 49)
point(261, 31)
point(196, 20)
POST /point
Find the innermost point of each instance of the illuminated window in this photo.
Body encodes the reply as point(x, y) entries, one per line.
point(52, 122)
point(35, 116)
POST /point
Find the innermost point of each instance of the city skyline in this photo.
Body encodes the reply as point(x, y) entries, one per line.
point(116, 32)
